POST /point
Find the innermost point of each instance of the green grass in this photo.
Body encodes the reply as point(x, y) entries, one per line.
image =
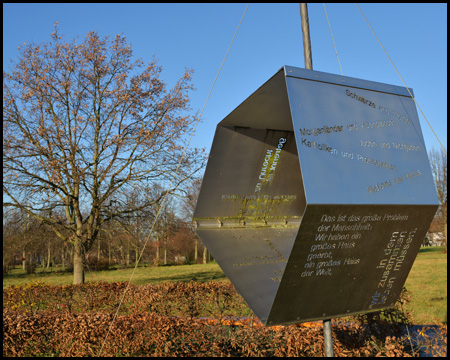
point(142, 275)
point(427, 281)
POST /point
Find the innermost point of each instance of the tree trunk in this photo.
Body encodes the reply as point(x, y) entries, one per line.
point(165, 250)
point(63, 262)
point(24, 259)
point(204, 255)
point(445, 230)
point(136, 255)
point(78, 262)
point(195, 251)
point(49, 256)
point(109, 249)
point(128, 254)
point(444, 213)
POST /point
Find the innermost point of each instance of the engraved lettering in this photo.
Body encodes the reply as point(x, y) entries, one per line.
point(378, 163)
point(360, 98)
point(322, 130)
point(314, 145)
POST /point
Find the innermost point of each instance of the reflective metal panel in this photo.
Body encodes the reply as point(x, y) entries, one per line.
point(254, 259)
point(349, 259)
point(252, 175)
point(250, 207)
point(359, 146)
point(317, 196)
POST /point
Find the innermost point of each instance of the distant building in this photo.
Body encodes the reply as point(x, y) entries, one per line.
point(434, 239)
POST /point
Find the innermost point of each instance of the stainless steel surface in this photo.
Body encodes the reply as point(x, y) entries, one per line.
point(349, 259)
point(335, 79)
point(317, 196)
point(374, 140)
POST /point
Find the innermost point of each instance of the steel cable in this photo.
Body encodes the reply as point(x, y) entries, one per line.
point(402, 80)
point(176, 172)
point(332, 38)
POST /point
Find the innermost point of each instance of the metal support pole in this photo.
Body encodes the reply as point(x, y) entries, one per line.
point(306, 38)
point(327, 332)
point(328, 337)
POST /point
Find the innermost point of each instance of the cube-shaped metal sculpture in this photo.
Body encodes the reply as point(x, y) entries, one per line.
point(317, 196)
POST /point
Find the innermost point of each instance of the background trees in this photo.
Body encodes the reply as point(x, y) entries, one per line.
point(188, 207)
point(83, 125)
point(28, 244)
point(438, 163)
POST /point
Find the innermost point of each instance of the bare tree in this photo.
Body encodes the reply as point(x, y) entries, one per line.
point(190, 199)
point(136, 218)
point(81, 124)
point(12, 238)
point(163, 229)
point(189, 204)
point(438, 163)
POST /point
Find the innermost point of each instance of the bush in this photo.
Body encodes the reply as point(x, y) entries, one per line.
point(30, 267)
point(181, 319)
point(97, 264)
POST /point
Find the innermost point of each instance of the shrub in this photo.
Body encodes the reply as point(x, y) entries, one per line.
point(97, 264)
point(30, 267)
point(180, 319)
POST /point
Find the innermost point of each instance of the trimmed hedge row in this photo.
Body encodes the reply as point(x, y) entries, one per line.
point(212, 299)
point(163, 320)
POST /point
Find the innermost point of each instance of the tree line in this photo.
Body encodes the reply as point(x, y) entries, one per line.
point(124, 241)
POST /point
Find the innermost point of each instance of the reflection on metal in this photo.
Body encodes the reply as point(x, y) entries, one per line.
point(317, 196)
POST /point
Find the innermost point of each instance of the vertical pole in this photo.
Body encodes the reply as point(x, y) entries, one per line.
point(328, 337)
point(306, 38)
point(327, 331)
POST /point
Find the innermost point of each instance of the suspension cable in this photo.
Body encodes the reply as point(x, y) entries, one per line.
point(332, 38)
point(167, 192)
point(407, 329)
point(403, 81)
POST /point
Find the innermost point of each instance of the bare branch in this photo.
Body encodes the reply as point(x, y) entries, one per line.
point(84, 124)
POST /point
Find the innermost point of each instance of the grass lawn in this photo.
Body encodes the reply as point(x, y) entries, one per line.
point(142, 275)
point(427, 281)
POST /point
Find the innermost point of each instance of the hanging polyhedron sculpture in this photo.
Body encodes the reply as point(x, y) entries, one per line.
point(317, 196)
